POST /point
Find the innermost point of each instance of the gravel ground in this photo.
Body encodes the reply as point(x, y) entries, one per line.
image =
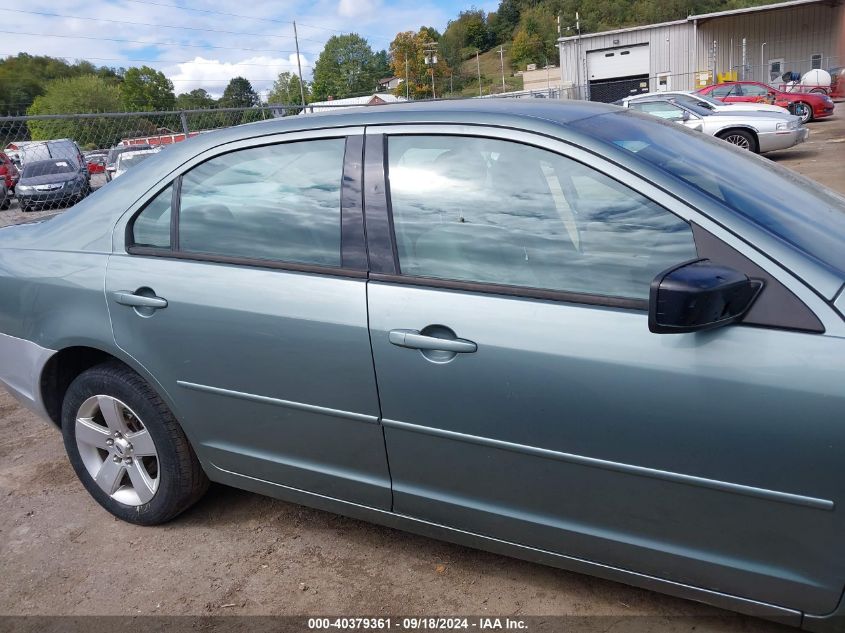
point(239, 553)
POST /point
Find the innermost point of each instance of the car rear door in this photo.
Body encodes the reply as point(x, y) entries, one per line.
point(524, 398)
point(242, 291)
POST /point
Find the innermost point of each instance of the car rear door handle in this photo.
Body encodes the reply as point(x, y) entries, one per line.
point(414, 340)
point(127, 298)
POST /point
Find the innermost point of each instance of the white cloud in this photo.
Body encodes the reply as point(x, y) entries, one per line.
point(357, 8)
point(195, 63)
point(214, 75)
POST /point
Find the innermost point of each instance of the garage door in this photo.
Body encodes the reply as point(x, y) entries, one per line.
point(618, 63)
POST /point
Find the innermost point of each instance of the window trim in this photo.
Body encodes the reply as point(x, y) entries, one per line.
point(352, 239)
point(382, 246)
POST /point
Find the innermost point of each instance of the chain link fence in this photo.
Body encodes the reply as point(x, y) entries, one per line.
point(53, 161)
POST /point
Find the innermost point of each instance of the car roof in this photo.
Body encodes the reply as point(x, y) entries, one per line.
point(136, 152)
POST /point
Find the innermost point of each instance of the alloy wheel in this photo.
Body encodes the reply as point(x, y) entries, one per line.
point(738, 140)
point(117, 450)
point(803, 110)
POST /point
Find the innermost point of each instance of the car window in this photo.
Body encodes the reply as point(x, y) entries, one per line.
point(721, 92)
point(795, 209)
point(125, 161)
point(277, 202)
point(659, 108)
point(151, 227)
point(499, 212)
point(47, 168)
point(751, 90)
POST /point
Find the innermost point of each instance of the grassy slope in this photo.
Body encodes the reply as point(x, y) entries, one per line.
point(491, 74)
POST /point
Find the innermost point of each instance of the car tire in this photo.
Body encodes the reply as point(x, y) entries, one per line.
point(127, 448)
point(741, 138)
point(5, 204)
point(803, 110)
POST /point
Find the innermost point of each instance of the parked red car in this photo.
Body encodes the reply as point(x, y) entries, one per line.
point(807, 105)
point(96, 162)
point(8, 172)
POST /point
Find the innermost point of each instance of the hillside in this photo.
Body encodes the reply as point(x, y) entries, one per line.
point(491, 74)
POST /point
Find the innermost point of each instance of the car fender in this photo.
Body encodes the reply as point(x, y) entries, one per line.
point(736, 126)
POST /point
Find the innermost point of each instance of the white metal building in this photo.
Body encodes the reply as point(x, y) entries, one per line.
point(758, 43)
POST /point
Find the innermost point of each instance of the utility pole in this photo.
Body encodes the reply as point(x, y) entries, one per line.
point(407, 85)
point(299, 66)
point(744, 58)
point(763, 77)
point(431, 60)
point(478, 66)
point(502, 64)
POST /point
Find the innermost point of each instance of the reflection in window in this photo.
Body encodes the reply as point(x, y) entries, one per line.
point(152, 226)
point(498, 212)
point(277, 202)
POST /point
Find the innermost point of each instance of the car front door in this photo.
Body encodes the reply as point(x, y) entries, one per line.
point(524, 398)
point(242, 292)
point(734, 94)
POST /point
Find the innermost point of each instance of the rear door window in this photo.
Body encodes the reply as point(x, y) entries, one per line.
point(276, 202)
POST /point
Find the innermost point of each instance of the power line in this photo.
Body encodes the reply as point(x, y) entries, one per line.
point(164, 26)
point(173, 44)
point(246, 17)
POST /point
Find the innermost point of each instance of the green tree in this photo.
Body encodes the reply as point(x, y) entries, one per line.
point(381, 65)
point(412, 47)
point(286, 90)
point(470, 32)
point(345, 67)
point(78, 95)
point(239, 94)
point(24, 77)
point(507, 19)
point(535, 42)
point(146, 89)
point(526, 49)
point(196, 99)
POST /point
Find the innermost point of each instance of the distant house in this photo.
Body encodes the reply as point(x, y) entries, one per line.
point(388, 83)
point(351, 102)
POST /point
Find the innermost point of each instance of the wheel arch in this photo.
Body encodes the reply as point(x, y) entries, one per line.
point(70, 361)
point(740, 128)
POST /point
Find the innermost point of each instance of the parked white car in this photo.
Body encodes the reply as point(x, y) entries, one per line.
point(705, 101)
point(757, 132)
point(128, 160)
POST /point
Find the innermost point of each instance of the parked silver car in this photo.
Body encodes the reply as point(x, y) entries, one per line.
point(706, 102)
point(757, 132)
point(567, 332)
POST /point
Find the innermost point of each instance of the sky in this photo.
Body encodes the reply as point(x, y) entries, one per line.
point(204, 43)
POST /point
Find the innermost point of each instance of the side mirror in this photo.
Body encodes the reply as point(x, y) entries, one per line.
point(699, 295)
point(685, 116)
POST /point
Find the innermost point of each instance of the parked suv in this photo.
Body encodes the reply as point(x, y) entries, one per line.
point(57, 149)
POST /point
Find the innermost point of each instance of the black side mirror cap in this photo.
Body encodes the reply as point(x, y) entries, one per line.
point(699, 295)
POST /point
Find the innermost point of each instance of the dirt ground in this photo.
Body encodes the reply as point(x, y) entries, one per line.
point(237, 553)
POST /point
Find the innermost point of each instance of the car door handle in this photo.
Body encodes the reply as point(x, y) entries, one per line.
point(414, 340)
point(126, 298)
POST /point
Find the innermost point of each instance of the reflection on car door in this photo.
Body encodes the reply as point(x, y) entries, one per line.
point(263, 343)
point(525, 399)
